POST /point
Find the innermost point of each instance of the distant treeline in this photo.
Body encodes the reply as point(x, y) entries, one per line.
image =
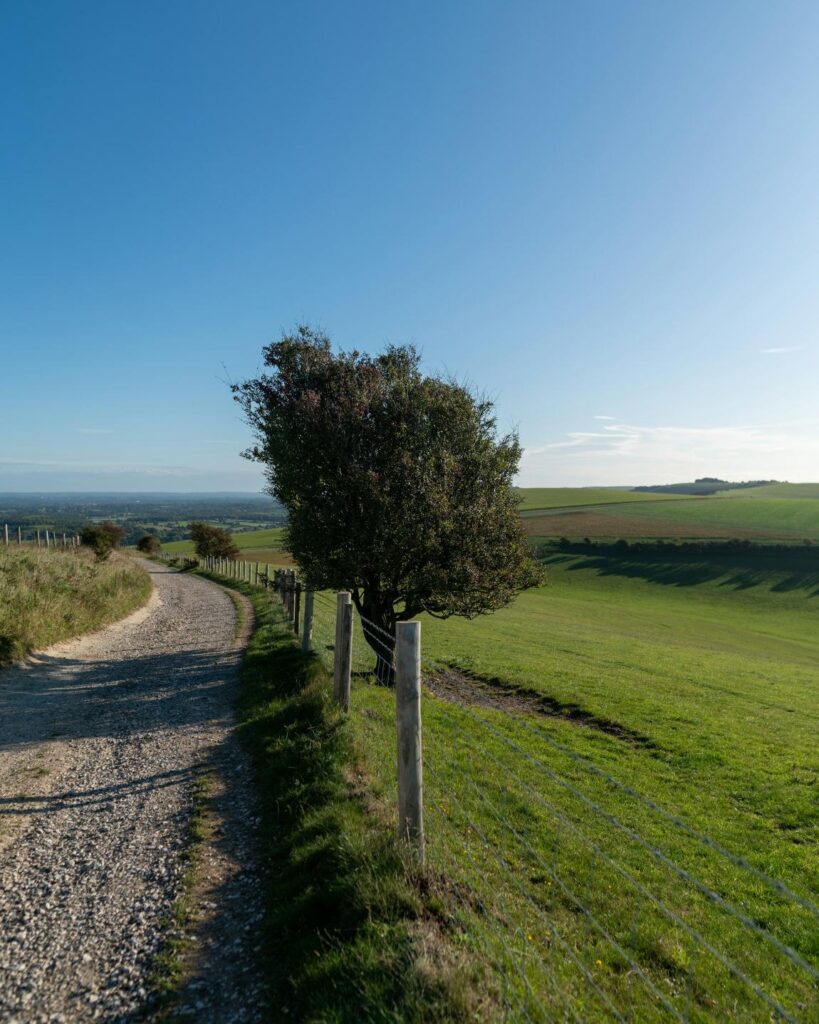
point(705, 485)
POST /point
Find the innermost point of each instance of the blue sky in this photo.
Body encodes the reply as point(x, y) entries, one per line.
point(604, 215)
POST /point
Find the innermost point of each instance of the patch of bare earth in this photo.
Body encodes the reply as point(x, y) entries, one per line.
point(459, 686)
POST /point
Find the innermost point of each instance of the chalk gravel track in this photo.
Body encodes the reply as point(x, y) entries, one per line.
point(101, 739)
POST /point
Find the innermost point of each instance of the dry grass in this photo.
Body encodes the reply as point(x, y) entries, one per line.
point(47, 596)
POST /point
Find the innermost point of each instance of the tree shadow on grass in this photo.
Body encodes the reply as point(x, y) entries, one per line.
point(777, 569)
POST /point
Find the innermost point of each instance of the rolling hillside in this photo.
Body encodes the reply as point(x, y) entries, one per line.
point(578, 497)
point(775, 512)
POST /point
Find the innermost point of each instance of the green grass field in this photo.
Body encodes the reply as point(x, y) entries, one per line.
point(774, 491)
point(795, 517)
point(691, 680)
point(579, 497)
point(250, 540)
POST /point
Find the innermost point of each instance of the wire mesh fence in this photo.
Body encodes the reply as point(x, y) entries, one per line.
point(581, 898)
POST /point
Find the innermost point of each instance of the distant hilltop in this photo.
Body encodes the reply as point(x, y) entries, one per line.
point(705, 485)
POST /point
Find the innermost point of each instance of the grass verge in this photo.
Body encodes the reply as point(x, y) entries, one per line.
point(350, 933)
point(169, 966)
point(47, 596)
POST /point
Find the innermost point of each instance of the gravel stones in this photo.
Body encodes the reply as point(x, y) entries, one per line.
point(100, 742)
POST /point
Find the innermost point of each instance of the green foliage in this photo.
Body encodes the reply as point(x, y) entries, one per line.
point(213, 541)
point(396, 485)
point(149, 545)
point(102, 538)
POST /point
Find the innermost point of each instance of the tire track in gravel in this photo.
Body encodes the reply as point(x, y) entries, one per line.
point(100, 742)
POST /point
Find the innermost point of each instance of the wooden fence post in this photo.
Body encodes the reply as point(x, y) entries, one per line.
point(343, 598)
point(296, 607)
point(7, 534)
point(291, 594)
point(345, 655)
point(47, 544)
point(408, 719)
point(19, 535)
point(38, 538)
point(307, 628)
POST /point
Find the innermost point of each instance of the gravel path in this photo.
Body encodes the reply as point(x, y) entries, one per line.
point(101, 739)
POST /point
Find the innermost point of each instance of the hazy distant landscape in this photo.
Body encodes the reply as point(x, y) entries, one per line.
point(164, 515)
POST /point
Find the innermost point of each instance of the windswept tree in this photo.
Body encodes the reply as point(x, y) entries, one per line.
point(396, 485)
point(212, 540)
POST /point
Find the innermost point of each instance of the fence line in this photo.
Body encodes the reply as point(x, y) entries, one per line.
point(547, 880)
point(31, 536)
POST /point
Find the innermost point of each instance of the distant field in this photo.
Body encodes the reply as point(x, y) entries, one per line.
point(617, 525)
point(250, 540)
point(576, 497)
point(794, 518)
point(774, 491)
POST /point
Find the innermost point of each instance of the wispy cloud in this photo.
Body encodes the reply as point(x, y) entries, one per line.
point(620, 453)
point(780, 350)
point(604, 417)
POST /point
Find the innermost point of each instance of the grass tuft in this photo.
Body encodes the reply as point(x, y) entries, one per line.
point(48, 596)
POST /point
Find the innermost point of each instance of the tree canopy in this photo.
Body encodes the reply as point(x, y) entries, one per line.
point(397, 485)
point(212, 541)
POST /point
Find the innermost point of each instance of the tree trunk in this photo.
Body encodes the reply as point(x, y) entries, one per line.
point(379, 632)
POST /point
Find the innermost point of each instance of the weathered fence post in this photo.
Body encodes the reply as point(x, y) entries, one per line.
point(296, 607)
point(19, 535)
point(38, 538)
point(47, 544)
point(345, 655)
point(408, 719)
point(343, 598)
point(7, 534)
point(291, 594)
point(307, 628)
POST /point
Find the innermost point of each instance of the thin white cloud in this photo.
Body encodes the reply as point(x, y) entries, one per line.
point(780, 350)
point(620, 453)
point(605, 417)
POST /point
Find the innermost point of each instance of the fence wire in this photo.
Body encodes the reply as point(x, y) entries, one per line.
point(697, 951)
point(575, 896)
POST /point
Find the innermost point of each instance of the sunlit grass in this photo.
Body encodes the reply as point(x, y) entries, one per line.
point(49, 595)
